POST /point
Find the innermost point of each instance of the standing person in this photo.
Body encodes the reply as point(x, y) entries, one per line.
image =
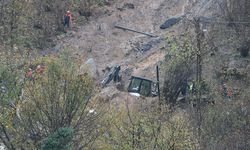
point(67, 19)
point(29, 75)
point(224, 88)
point(230, 93)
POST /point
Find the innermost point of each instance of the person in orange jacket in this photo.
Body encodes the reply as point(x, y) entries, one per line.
point(29, 74)
point(67, 19)
point(229, 93)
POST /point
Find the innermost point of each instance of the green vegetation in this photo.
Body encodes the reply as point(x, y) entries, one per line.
point(61, 139)
point(33, 109)
point(132, 129)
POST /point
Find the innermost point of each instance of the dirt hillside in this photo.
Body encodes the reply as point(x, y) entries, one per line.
point(108, 46)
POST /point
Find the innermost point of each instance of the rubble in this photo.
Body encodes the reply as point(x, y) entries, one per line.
point(143, 47)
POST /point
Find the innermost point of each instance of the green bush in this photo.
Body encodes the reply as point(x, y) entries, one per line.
point(60, 140)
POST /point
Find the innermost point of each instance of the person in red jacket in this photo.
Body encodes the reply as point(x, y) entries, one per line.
point(67, 19)
point(29, 74)
point(229, 93)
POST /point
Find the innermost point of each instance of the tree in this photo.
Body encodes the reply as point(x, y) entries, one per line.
point(33, 110)
point(226, 126)
point(9, 98)
point(237, 13)
point(56, 99)
point(178, 69)
point(135, 128)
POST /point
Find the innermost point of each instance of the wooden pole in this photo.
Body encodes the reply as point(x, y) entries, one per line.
point(132, 30)
point(158, 85)
point(199, 71)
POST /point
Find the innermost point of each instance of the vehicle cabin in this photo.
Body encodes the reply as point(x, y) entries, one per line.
point(142, 86)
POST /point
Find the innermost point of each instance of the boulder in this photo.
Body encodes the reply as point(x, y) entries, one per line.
point(170, 22)
point(129, 6)
point(89, 67)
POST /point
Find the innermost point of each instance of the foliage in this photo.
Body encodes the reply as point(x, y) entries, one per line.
point(35, 108)
point(10, 90)
point(226, 125)
point(178, 68)
point(131, 129)
point(58, 98)
point(61, 139)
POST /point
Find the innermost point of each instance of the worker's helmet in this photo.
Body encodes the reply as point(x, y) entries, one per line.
point(68, 12)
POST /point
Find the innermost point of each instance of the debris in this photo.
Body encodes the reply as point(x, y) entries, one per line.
point(112, 75)
point(170, 22)
point(92, 111)
point(147, 46)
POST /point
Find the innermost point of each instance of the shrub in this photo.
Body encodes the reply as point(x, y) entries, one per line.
point(61, 139)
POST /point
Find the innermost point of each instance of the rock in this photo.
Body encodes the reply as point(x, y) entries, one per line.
point(90, 68)
point(120, 9)
point(84, 13)
point(56, 49)
point(2, 147)
point(126, 6)
point(38, 25)
point(170, 22)
point(107, 2)
point(129, 6)
point(61, 36)
point(244, 49)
